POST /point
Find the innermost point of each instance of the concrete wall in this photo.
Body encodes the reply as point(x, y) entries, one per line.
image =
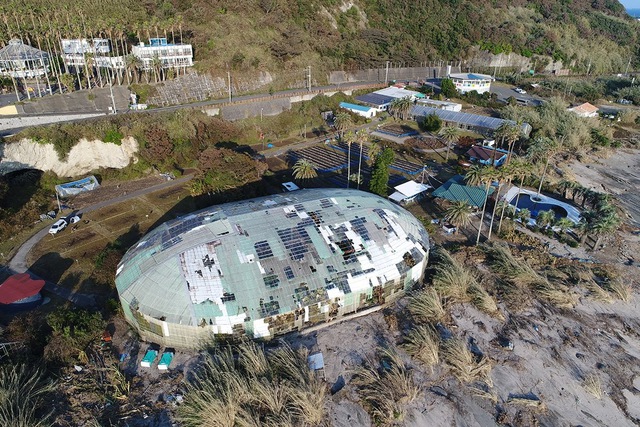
point(395, 73)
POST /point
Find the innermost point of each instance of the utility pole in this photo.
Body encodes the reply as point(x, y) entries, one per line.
point(386, 75)
point(626, 72)
point(113, 101)
point(309, 78)
point(229, 79)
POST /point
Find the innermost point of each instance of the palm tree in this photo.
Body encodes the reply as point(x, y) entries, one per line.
point(502, 174)
point(449, 134)
point(349, 138)
point(511, 170)
point(477, 175)
point(542, 148)
point(304, 169)
point(361, 137)
point(459, 214)
point(133, 65)
point(342, 122)
point(565, 185)
point(510, 133)
point(401, 107)
point(545, 218)
point(524, 215)
point(564, 224)
point(587, 195)
point(374, 150)
point(156, 66)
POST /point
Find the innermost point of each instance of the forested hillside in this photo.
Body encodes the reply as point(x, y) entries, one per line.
point(331, 34)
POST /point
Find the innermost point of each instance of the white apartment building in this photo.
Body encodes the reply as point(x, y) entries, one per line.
point(170, 55)
point(74, 53)
point(467, 82)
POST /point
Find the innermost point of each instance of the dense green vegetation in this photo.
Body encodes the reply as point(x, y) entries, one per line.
point(288, 35)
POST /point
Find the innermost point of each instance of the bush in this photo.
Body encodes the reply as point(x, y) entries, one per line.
point(113, 136)
point(431, 123)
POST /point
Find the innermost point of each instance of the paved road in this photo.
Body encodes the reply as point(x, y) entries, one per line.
point(18, 263)
point(505, 91)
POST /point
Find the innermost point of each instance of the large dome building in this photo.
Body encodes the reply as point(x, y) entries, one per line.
point(269, 265)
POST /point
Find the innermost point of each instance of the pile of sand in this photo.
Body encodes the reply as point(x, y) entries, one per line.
point(85, 156)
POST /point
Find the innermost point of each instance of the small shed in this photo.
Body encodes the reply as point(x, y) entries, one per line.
point(409, 192)
point(360, 110)
point(585, 110)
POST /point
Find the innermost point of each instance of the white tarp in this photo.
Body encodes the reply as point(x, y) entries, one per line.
point(76, 187)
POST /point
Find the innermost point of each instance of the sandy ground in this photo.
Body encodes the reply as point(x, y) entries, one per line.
point(554, 351)
point(619, 175)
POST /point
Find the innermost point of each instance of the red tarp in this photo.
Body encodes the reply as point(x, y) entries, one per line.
point(19, 286)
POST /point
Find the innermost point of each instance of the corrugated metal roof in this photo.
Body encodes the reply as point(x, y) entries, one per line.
point(484, 153)
point(375, 99)
point(455, 190)
point(265, 256)
point(467, 119)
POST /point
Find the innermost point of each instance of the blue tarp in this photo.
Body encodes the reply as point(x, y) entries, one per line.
point(76, 187)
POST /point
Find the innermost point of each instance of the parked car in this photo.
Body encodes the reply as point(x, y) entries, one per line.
point(520, 90)
point(58, 226)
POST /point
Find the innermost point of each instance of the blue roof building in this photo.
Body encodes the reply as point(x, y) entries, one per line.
point(360, 110)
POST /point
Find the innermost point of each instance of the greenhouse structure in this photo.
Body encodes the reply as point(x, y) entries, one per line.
point(270, 265)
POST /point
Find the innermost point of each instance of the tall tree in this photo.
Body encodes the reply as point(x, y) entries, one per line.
point(361, 137)
point(342, 121)
point(401, 107)
point(349, 138)
point(380, 175)
point(542, 149)
point(450, 134)
point(477, 175)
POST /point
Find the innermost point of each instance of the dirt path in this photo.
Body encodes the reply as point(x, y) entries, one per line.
point(18, 263)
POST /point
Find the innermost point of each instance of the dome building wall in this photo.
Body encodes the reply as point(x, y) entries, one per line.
point(266, 266)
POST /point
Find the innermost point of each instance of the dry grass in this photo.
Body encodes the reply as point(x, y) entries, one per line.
point(556, 295)
point(593, 386)
point(596, 292)
point(426, 306)
point(519, 278)
point(254, 389)
point(484, 393)
point(526, 401)
point(464, 364)
point(21, 396)
point(423, 343)
point(483, 301)
point(619, 290)
point(452, 279)
point(457, 283)
point(386, 386)
point(506, 265)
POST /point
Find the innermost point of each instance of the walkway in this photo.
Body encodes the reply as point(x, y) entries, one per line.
point(18, 263)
